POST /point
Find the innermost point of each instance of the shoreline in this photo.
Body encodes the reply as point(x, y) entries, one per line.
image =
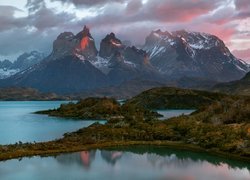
point(20, 153)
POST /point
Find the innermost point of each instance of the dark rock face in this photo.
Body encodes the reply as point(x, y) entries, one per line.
point(82, 45)
point(109, 45)
point(193, 54)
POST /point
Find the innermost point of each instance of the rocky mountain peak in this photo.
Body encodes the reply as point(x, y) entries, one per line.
point(194, 54)
point(84, 33)
point(81, 45)
point(109, 45)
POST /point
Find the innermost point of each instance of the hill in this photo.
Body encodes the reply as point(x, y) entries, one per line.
point(175, 98)
point(241, 87)
point(27, 94)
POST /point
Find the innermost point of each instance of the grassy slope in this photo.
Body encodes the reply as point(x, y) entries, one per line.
point(175, 98)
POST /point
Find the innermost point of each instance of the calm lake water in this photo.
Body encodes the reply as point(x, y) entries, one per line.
point(168, 113)
point(18, 123)
point(150, 163)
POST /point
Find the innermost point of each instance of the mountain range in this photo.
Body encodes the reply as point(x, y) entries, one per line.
point(24, 61)
point(179, 58)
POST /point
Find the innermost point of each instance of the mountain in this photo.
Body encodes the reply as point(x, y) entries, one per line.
point(5, 64)
point(24, 61)
point(241, 87)
point(6, 69)
point(181, 58)
point(123, 62)
point(27, 60)
point(75, 65)
point(193, 54)
point(67, 69)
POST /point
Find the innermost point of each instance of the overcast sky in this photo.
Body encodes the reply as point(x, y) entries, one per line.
point(27, 25)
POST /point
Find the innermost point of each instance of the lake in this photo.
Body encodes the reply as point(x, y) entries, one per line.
point(138, 162)
point(18, 123)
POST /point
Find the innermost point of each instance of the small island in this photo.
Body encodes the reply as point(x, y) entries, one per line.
point(221, 125)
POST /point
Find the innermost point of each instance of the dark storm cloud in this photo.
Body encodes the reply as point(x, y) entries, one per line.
point(46, 18)
point(7, 19)
point(130, 19)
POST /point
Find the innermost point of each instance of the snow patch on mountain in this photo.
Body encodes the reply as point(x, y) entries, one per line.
point(4, 73)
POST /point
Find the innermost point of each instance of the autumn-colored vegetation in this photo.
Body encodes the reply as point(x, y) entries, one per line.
point(220, 125)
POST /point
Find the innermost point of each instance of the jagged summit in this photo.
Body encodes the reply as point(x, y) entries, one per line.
point(85, 32)
point(194, 54)
point(81, 45)
point(109, 45)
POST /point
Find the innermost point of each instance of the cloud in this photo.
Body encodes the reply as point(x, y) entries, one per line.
point(88, 3)
point(129, 19)
point(243, 8)
point(7, 19)
point(243, 54)
point(35, 5)
point(18, 41)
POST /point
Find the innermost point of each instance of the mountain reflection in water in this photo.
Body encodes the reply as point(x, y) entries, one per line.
point(85, 158)
point(136, 162)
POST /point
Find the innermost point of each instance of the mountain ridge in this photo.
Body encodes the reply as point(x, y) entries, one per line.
point(165, 57)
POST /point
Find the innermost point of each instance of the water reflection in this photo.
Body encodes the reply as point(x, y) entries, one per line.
point(86, 158)
point(156, 156)
point(111, 156)
point(128, 163)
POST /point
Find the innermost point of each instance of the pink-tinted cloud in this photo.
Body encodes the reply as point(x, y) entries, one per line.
point(243, 54)
point(129, 19)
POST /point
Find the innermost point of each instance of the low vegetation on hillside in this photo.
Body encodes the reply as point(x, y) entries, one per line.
point(98, 108)
point(175, 98)
point(27, 94)
point(221, 125)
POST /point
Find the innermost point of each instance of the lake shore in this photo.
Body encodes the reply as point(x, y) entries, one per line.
point(17, 151)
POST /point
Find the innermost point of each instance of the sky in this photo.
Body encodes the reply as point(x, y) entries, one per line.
point(27, 25)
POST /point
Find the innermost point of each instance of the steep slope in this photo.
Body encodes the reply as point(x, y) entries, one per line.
point(64, 75)
point(193, 54)
point(241, 87)
point(24, 61)
point(67, 69)
point(6, 69)
point(27, 60)
point(124, 62)
point(81, 45)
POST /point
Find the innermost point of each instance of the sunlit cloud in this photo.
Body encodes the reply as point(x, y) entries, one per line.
point(129, 19)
